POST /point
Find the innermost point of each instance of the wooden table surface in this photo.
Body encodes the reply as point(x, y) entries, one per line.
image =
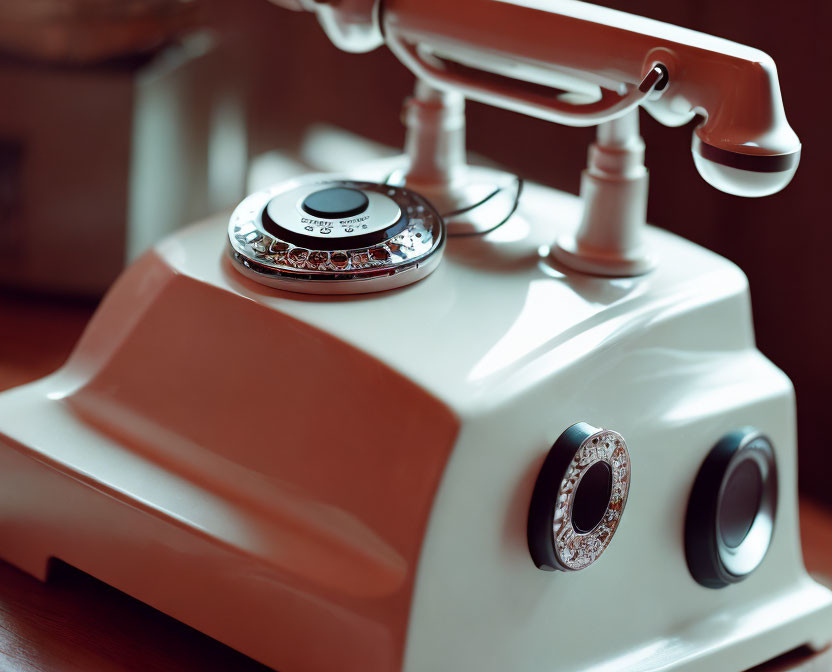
point(74, 623)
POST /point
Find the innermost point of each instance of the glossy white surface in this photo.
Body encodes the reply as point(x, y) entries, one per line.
point(518, 350)
point(497, 314)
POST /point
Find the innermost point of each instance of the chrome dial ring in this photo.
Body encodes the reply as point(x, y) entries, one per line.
point(398, 239)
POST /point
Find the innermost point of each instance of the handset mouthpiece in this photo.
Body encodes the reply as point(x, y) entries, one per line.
point(745, 145)
point(740, 174)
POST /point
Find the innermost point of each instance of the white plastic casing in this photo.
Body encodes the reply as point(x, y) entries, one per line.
point(505, 347)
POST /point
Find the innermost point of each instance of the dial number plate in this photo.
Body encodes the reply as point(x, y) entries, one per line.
point(287, 211)
point(400, 241)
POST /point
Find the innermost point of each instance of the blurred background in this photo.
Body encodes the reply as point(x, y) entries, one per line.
point(123, 120)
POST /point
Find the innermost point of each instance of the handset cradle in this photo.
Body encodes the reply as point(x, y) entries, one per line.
point(581, 65)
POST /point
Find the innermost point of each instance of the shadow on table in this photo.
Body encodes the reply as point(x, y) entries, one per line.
point(75, 623)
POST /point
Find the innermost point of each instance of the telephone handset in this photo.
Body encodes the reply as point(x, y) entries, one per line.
point(744, 146)
point(562, 60)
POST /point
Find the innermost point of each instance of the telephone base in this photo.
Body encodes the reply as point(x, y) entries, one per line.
point(327, 482)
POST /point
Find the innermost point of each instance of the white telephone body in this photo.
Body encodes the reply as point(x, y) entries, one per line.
point(422, 416)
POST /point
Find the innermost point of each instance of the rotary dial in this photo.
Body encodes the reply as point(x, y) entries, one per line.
point(335, 236)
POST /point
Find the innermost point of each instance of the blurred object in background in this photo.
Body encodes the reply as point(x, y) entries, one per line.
point(123, 121)
point(91, 31)
point(119, 123)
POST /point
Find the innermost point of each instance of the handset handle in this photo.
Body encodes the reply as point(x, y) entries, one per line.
point(532, 99)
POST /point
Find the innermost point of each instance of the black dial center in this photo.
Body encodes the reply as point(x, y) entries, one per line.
point(335, 216)
point(592, 497)
point(335, 203)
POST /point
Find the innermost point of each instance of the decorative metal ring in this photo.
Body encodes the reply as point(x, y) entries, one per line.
point(578, 499)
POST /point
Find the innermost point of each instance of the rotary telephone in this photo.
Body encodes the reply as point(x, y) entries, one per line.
point(424, 415)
